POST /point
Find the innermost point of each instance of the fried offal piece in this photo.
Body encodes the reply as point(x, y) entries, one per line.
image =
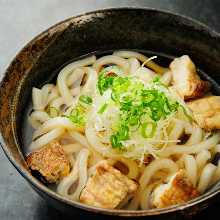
point(107, 188)
point(185, 79)
point(50, 162)
point(206, 112)
point(178, 190)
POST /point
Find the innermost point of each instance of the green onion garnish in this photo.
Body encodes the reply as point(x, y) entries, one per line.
point(103, 108)
point(115, 142)
point(106, 78)
point(140, 107)
point(148, 129)
point(85, 99)
point(156, 80)
point(121, 135)
point(77, 116)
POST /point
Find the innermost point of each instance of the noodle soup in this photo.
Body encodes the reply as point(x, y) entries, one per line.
point(122, 132)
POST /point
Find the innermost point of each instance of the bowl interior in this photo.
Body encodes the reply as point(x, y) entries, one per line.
point(162, 59)
point(148, 31)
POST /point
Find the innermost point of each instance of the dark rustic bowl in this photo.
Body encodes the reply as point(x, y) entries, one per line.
point(103, 30)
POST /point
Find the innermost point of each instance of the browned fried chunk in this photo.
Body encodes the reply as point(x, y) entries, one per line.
point(178, 190)
point(186, 80)
point(206, 112)
point(50, 161)
point(107, 188)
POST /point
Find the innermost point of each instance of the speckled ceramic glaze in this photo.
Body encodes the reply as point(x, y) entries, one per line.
point(126, 28)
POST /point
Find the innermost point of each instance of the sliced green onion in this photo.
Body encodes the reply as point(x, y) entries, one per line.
point(140, 106)
point(115, 142)
point(167, 107)
point(147, 97)
point(103, 108)
point(156, 79)
point(114, 96)
point(85, 99)
point(78, 115)
point(123, 133)
point(105, 81)
point(133, 120)
point(148, 129)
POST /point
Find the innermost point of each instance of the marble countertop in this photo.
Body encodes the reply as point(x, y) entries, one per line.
point(20, 21)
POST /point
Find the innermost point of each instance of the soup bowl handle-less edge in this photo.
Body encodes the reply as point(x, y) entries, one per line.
point(124, 28)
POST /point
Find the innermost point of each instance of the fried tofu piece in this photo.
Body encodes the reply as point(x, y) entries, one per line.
point(206, 112)
point(50, 162)
point(107, 188)
point(178, 190)
point(186, 81)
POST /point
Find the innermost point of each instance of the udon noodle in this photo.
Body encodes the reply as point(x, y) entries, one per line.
point(123, 108)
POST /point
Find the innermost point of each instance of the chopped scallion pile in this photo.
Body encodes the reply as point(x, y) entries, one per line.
point(140, 107)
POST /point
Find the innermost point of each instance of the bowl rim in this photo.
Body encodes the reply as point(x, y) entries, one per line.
point(116, 212)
